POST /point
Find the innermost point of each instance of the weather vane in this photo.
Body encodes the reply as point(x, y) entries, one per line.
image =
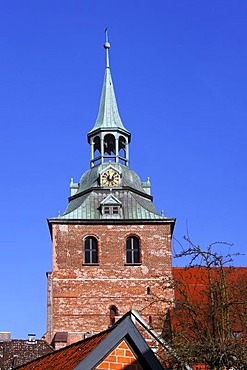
point(107, 47)
point(106, 34)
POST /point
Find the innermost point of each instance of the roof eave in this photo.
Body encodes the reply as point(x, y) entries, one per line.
point(97, 130)
point(78, 221)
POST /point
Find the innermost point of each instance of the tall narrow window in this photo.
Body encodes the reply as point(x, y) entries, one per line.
point(132, 250)
point(91, 250)
point(113, 314)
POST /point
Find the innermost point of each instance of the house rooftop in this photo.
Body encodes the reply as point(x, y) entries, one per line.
point(17, 352)
point(92, 352)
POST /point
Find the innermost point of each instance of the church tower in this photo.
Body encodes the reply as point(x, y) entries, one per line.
point(110, 248)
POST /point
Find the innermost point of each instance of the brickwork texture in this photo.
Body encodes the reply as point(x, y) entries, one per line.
point(80, 296)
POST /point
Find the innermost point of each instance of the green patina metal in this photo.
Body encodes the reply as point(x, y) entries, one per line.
point(136, 203)
point(90, 195)
point(108, 116)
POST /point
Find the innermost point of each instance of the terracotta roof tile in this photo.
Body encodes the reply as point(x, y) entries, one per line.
point(66, 358)
point(193, 283)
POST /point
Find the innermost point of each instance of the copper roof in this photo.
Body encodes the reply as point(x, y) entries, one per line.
point(108, 116)
point(135, 202)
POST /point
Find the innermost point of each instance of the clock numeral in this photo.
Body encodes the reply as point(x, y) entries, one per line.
point(110, 178)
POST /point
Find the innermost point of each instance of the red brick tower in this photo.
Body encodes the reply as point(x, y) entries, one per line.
point(110, 249)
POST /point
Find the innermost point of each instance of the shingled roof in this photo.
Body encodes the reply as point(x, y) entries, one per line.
point(16, 352)
point(66, 358)
point(91, 352)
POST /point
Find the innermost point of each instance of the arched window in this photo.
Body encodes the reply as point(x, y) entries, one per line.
point(113, 314)
point(132, 250)
point(122, 150)
point(91, 250)
point(96, 149)
point(109, 144)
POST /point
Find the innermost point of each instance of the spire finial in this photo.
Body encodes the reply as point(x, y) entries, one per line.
point(107, 47)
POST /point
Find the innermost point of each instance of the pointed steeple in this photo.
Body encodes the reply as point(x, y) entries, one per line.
point(108, 137)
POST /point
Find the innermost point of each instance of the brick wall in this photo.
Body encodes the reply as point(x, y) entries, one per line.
point(121, 358)
point(80, 296)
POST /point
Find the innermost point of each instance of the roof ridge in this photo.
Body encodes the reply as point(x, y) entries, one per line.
point(78, 343)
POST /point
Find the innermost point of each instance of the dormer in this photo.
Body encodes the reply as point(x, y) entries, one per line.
point(111, 207)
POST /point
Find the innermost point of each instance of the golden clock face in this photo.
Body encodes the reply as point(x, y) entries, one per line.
point(110, 178)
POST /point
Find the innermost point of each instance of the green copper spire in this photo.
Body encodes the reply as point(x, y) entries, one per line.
point(108, 116)
point(110, 190)
point(108, 136)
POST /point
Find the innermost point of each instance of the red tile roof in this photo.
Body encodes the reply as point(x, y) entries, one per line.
point(192, 287)
point(66, 358)
point(195, 279)
point(89, 353)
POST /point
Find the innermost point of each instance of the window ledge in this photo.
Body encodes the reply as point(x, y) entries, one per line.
point(132, 264)
point(90, 264)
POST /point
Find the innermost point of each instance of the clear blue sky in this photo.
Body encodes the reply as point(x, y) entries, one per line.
point(180, 75)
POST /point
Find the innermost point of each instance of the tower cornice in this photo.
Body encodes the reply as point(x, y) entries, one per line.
point(161, 221)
